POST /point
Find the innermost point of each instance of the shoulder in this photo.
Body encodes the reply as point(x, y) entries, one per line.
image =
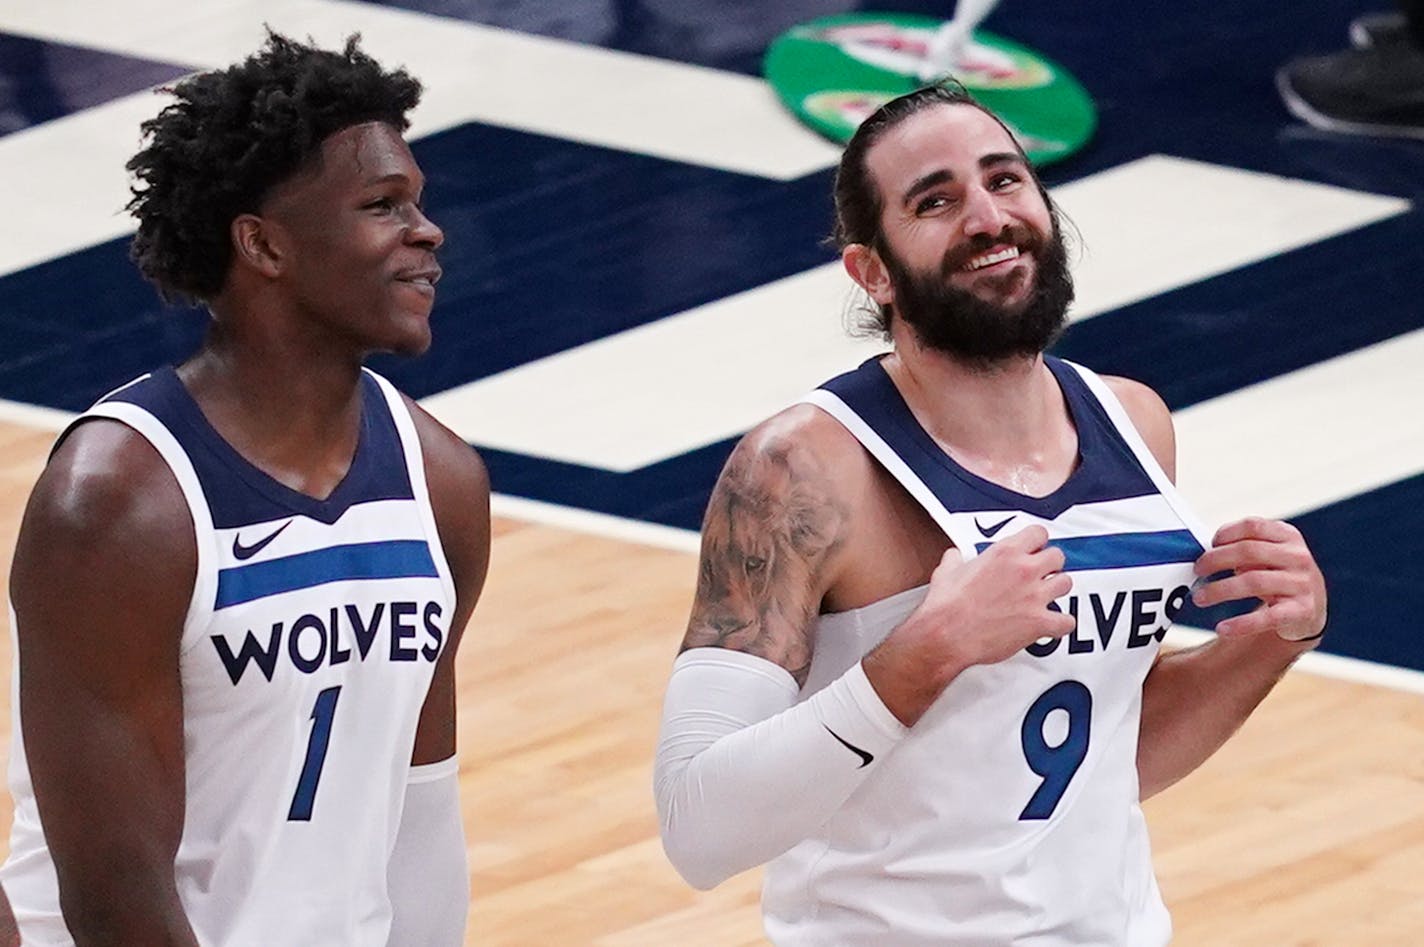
point(451, 465)
point(793, 483)
point(1151, 416)
point(107, 528)
point(104, 478)
point(459, 495)
point(801, 442)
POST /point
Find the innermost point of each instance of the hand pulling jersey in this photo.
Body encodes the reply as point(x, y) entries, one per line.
point(1009, 813)
point(310, 643)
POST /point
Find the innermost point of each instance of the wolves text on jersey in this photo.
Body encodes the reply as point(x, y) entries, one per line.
point(1143, 615)
point(312, 641)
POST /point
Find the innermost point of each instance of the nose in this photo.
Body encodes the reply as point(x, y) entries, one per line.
point(424, 231)
point(983, 213)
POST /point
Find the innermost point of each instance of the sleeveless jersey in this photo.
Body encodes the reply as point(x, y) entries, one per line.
point(308, 648)
point(1009, 813)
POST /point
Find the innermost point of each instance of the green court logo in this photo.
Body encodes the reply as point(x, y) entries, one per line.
point(834, 72)
point(988, 64)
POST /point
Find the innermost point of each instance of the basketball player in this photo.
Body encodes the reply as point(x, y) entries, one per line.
point(921, 677)
point(239, 584)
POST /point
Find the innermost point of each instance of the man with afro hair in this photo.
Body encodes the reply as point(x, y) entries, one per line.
point(240, 582)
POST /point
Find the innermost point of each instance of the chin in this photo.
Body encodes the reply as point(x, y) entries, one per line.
point(411, 347)
point(411, 333)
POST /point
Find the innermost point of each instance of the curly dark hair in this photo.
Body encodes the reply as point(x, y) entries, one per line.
point(235, 133)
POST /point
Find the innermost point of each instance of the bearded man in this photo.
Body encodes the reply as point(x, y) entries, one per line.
point(922, 678)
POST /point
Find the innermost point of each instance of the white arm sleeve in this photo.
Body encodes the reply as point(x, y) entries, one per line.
point(428, 876)
point(743, 772)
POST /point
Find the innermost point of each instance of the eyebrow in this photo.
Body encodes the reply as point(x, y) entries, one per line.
point(395, 177)
point(944, 175)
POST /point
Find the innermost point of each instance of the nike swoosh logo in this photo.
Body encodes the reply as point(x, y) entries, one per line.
point(989, 531)
point(865, 758)
point(239, 551)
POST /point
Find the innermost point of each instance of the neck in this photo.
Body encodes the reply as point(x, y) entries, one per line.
point(292, 410)
point(1007, 422)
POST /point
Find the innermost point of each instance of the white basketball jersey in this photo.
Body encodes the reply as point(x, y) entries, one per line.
point(1009, 813)
point(309, 646)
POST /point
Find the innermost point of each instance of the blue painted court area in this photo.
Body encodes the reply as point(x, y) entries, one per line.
point(555, 243)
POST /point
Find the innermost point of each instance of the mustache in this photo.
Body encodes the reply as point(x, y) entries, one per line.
point(1025, 238)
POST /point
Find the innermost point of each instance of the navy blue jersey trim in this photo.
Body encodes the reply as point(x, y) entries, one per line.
point(1124, 550)
point(394, 559)
point(1107, 468)
point(239, 494)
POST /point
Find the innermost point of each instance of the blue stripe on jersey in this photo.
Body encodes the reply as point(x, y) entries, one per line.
point(1108, 470)
point(395, 559)
point(1124, 550)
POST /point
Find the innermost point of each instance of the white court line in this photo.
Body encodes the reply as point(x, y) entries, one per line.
point(474, 72)
point(1321, 664)
point(34, 416)
point(74, 166)
point(663, 389)
point(1308, 438)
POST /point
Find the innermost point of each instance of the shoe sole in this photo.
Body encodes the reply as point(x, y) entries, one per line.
point(1303, 111)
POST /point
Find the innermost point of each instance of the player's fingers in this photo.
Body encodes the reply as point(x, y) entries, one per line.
point(1029, 539)
point(1252, 584)
point(1057, 584)
point(1056, 624)
point(1274, 617)
point(1253, 554)
point(1255, 527)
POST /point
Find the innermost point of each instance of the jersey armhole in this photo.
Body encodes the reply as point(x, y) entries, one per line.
point(1127, 430)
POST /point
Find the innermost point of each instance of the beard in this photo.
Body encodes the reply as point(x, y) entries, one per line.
point(972, 330)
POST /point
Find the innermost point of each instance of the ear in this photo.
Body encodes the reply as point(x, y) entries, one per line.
point(256, 246)
point(866, 267)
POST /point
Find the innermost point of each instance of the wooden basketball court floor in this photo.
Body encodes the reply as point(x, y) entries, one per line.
point(1307, 829)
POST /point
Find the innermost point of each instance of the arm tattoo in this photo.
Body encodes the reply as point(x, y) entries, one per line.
point(772, 523)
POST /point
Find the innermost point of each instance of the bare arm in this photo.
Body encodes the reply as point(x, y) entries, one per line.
point(1194, 700)
point(104, 567)
point(9, 933)
point(774, 526)
point(460, 496)
point(427, 875)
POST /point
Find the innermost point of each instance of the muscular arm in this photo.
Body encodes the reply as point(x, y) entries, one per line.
point(744, 772)
point(774, 524)
point(1194, 700)
point(427, 875)
point(104, 567)
point(460, 496)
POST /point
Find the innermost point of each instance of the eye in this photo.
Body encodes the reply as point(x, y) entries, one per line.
point(932, 202)
point(754, 563)
point(1004, 180)
point(383, 205)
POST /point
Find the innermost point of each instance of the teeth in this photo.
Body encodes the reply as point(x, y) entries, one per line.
point(989, 259)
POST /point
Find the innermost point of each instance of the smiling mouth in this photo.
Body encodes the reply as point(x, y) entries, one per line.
point(990, 259)
point(424, 280)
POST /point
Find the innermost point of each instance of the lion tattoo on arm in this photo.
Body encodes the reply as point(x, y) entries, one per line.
point(771, 524)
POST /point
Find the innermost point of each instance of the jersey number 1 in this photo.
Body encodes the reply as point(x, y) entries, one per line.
point(321, 716)
point(1056, 764)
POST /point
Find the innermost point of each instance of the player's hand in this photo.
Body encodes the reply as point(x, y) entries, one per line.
point(989, 608)
point(978, 612)
point(1268, 560)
